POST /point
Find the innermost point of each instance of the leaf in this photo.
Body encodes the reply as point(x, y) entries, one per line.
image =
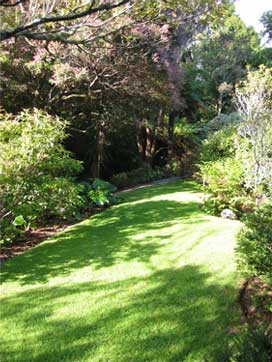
point(19, 221)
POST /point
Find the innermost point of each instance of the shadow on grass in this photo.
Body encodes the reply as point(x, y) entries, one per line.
point(127, 232)
point(170, 315)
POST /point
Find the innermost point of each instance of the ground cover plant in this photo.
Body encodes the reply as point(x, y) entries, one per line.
point(150, 279)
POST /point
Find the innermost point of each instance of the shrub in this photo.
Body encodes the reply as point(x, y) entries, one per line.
point(101, 193)
point(120, 180)
point(222, 121)
point(222, 183)
point(137, 176)
point(255, 130)
point(254, 251)
point(36, 172)
point(219, 144)
point(253, 344)
point(174, 167)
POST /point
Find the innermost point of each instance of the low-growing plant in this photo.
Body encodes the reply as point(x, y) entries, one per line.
point(102, 193)
point(252, 344)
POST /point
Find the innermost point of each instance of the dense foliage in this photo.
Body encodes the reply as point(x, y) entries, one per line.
point(255, 243)
point(254, 344)
point(236, 159)
point(137, 176)
point(37, 173)
point(101, 193)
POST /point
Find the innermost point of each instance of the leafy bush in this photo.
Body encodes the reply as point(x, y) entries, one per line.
point(120, 180)
point(254, 344)
point(218, 145)
point(137, 176)
point(254, 249)
point(245, 136)
point(184, 128)
point(220, 170)
point(174, 167)
point(222, 187)
point(36, 172)
point(102, 193)
point(222, 121)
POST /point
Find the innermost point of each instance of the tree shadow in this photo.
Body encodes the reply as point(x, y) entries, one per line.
point(170, 315)
point(125, 233)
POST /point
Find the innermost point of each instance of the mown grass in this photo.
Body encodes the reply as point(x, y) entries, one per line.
point(152, 279)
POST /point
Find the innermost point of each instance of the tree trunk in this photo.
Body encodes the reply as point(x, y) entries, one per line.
point(96, 166)
point(220, 104)
point(148, 148)
point(156, 133)
point(141, 143)
point(171, 122)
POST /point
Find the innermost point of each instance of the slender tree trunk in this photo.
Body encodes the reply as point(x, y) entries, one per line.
point(171, 122)
point(148, 148)
point(96, 166)
point(156, 133)
point(141, 143)
point(220, 104)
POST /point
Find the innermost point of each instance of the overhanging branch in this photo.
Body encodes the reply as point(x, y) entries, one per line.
point(28, 30)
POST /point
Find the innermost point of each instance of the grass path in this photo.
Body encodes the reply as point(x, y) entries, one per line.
point(150, 280)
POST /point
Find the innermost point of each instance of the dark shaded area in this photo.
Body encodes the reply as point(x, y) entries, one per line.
point(177, 314)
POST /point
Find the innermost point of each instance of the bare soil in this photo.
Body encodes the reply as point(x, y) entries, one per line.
point(35, 236)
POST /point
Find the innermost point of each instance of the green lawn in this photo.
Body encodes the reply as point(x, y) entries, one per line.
point(152, 279)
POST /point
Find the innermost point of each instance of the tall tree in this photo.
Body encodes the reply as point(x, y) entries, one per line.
point(266, 19)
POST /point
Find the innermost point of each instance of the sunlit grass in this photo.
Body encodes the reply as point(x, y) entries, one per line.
point(152, 279)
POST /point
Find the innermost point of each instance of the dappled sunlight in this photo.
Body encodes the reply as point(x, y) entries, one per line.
point(128, 232)
point(140, 280)
point(166, 311)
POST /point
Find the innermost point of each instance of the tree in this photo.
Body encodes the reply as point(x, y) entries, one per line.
point(255, 107)
point(221, 57)
point(67, 21)
point(266, 20)
point(123, 82)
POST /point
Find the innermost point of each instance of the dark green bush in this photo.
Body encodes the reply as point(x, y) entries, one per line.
point(254, 251)
point(102, 193)
point(219, 145)
point(253, 344)
point(174, 168)
point(120, 180)
point(137, 176)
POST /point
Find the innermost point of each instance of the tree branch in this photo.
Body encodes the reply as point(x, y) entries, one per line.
point(24, 29)
point(7, 3)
